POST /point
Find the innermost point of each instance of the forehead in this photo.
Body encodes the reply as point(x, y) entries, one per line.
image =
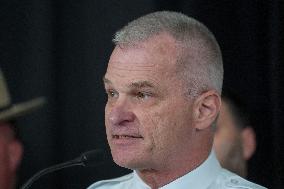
point(156, 56)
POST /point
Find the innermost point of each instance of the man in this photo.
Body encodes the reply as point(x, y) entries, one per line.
point(234, 141)
point(11, 148)
point(163, 82)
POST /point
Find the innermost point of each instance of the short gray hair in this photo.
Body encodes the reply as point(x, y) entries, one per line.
point(202, 70)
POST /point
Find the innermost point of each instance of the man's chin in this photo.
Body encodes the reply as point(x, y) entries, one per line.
point(131, 157)
point(128, 162)
point(124, 161)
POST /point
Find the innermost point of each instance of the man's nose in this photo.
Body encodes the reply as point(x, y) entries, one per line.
point(121, 114)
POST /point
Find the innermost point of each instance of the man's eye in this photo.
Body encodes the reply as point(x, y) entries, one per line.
point(142, 95)
point(112, 93)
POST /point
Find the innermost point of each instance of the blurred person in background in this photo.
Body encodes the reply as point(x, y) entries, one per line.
point(234, 141)
point(11, 148)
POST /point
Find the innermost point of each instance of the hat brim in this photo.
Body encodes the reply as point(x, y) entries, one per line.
point(17, 110)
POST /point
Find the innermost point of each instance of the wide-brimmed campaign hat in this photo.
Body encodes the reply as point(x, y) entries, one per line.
point(9, 111)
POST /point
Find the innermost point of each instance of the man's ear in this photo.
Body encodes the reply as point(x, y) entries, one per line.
point(206, 108)
point(249, 142)
point(15, 154)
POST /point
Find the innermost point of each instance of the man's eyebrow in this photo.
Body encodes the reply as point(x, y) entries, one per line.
point(141, 84)
point(138, 84)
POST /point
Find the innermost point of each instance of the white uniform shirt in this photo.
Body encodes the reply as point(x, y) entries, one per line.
point(209, 175)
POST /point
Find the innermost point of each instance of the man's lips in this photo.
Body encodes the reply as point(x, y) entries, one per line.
point(125, 139)
point(126, 136)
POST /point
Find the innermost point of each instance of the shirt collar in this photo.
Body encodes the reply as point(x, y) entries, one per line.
point(200, 178)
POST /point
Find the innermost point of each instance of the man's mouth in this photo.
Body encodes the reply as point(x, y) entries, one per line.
point(125, 136)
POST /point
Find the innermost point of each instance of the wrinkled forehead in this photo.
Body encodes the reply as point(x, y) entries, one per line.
point(147, 62)
point(158, 52)
point(137, 64)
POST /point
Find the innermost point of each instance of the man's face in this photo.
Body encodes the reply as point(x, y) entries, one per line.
point(228, 142)
point(148, 117)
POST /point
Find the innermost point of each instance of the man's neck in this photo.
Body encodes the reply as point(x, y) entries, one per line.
point(158, 178)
